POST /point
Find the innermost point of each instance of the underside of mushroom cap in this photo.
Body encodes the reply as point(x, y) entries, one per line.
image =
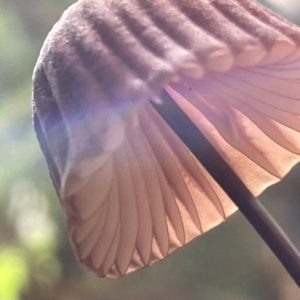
point(132, 191)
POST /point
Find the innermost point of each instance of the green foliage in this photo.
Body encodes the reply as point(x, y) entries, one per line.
point(13, 274)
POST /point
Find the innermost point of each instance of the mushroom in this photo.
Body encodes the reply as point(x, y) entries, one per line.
point(144, 107)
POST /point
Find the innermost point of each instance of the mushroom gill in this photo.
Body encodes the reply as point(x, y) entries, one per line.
point(132, 191)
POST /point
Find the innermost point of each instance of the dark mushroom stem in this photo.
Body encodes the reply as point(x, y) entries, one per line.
point(252, 209)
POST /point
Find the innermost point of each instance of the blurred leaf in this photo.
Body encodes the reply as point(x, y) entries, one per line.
point(13, 274)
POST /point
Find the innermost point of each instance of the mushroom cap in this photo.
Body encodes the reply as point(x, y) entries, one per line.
point(131, 189)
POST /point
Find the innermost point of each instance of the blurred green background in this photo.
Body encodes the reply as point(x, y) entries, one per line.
point(230, 262)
